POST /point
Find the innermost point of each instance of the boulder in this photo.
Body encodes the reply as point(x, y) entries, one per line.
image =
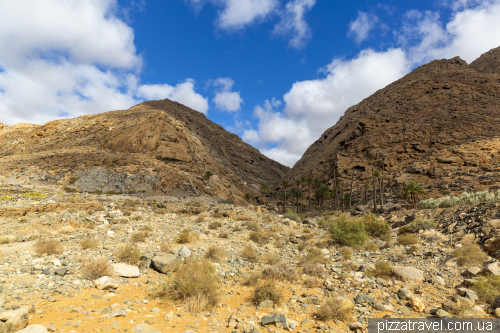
point(34, 329)
point(275, 318)
point(184, 252)
point(106, 282)
point(404, 293)
point(125, 270)
point(145, 328)
point(440, 313)
point(17, 318)
point(162, 261)
point(408, 273)
point(416, 304)
point(493, 268)
point(475, 312)
point(438, 281)
point(471, 272)
point(492, 244)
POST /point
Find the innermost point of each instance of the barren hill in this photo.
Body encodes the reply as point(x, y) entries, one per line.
point(157, 146)
point(433, 125)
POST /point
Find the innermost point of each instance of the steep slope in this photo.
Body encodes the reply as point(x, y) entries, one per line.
point(158, 146)
point(414, 128)
point(488, 62)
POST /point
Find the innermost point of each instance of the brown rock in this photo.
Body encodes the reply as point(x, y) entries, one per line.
point(492, 244)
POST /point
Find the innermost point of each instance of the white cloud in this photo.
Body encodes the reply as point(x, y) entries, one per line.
point(293, 23)
point(183, 93)
point(236, 14)
point(225, 99)
point(67, 58)
point(360, 28)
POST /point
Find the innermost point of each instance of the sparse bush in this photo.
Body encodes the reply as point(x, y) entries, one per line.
point(314, 255)
point(349, 231)
point(413, 248)
point(312, 282)
point(346, 253)
point(252, 226)
point(292, 216)
point(407, 239)
point(469, 255)
point(4, 240)
point(186, 237)
point(146, 228)
point(259, 237)
point(326, 222)
point(464, 199)
point(70, 190)
point(382, 270)
point(96, 268)
point(48, 246)
point(252, 279)
point(88, 224)
point(420, 223)
point(281, 271)
point(313, 269)
point(223, 234)
point(301, 246)
point(375, 227)
point(194, 283)
point(371, 247)
point(333, 309)
point(36, 195)
point(129, 255)
point(271, 258)
point(73, 180)
point(214, 225)
point(165, 246)
point(236, 228)
point(138, 237)
point(215, 254)
point(6, 197)
point(487, 288)
point(89, 243)
point(249, 253)
point(136, 218)
point(401, 257)
point(267, 291)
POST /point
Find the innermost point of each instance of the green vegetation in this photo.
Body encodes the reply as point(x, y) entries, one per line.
point(348, 231)
point(36, 195)
point(208, 174)
point(407, 239)
point(382, 270)
point(70, 190)
point(292, 216)
point(487, 288)
point(462, 200)
point(420, 223)
point(375, 227)
point(6, 197)
point(469, 255)
point(413, 191)
point(73, 180)
point(129, 255)
point(346, 253)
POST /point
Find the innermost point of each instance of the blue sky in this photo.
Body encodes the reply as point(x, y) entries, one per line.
point(276, 72)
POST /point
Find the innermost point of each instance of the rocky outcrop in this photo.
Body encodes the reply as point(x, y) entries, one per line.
point(488, 62)
point(157, 146)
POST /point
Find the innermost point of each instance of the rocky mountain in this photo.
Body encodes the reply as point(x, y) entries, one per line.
point(157, 146)
point(436, 125)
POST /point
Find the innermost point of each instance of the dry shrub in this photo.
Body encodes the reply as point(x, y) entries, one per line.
point(271, 258)
point(249, 253)
point(312, 282)
point(147, 228)
point(468, 239)
point(138, 237)
point(67, 229)
point(259, 237)
point(252, 279)
point(371, 247)
point(237, 228)
point(252, 226)
point(48, 246)
point(407, 239)
point(333, 309)
point(267, 291)
point(469, 255)
point(88, 224)
point(215, 254)
point(434, 236)
point(195, 281)
point(487, 288)
point(301, 246)
point(306, 236)
point(121, 220)
point(313, 269)
point(224, 234)
point(186, 237)
point(136, 218)
point(96, 268)
point(4, 240)
point(214, 225)
point(382, 270)
point(165, 246)
point(314, 255)
point(129, 255)
point(217, 215)
point(375, 227)
point(89, 243)
point(413, 248)
point(346, 253)
point(281, 271)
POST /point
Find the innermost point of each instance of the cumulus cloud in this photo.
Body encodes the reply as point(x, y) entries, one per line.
point(225, 99)
point(67, 58)
point(292, 22)
point(360, 28)
point(237, 14)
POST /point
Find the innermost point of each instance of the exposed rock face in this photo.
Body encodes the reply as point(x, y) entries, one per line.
point(157, 146)
point(420, 127)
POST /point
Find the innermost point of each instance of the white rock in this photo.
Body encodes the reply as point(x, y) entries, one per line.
point(56, 262)
point(34, 329)
point(125, 270)
point(106, 282)
point(110, 233)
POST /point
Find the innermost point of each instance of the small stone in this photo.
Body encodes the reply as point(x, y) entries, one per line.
point(273, 319)
point(356, 326)
point(115, 324)
point(437, 281)
point(493, 268)
point(185, 252)
point(34, 329)
point(471, 272)
point(105, 283)
point(440, 313)
point(404, 293)
point(265, 304)
point(364, 299)
point(155, 310)
point(121, 313)
point(61, 271)
point(144, 328)
point(304, 322)
point(416, 304)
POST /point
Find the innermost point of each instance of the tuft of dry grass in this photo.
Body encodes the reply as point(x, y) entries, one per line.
point(146, 228)
point(333, 309)
point(312, 282)
point(346, 253)
point(48, 246)
point(165, 246)
point(371, 247)
point(194, 283)
point(67, 229)
point(281, 271)
point(259, 237)
point(129, 255)
point(314, 255)
point(252, 226)
point(407, 239)
point(267, 291)
point(96, 268)
point(186, 237)
point(224, 234)
point(271, 258)
point(469, 255)
point(249, 253)
point(215, 254)
point(252, 279)
point(487, 288)
point(382, 270)
point(313, 269)
point(138, 237)
point(214, 225)
point(89, 243)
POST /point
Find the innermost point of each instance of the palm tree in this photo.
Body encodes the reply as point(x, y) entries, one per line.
point(208, 174)
point(265, 188)
point(374, 193)
point(347, 199)
point(297, 194)
point(320, 193)
point(366, 186)
point(309, 181)
point(275, 195)
point(285, 184)
point(413, 191)
point(335, 184)
point(378, 174)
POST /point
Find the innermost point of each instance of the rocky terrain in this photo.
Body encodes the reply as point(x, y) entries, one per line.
point(159, 147)
point(437, 125)
point(52, 293)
